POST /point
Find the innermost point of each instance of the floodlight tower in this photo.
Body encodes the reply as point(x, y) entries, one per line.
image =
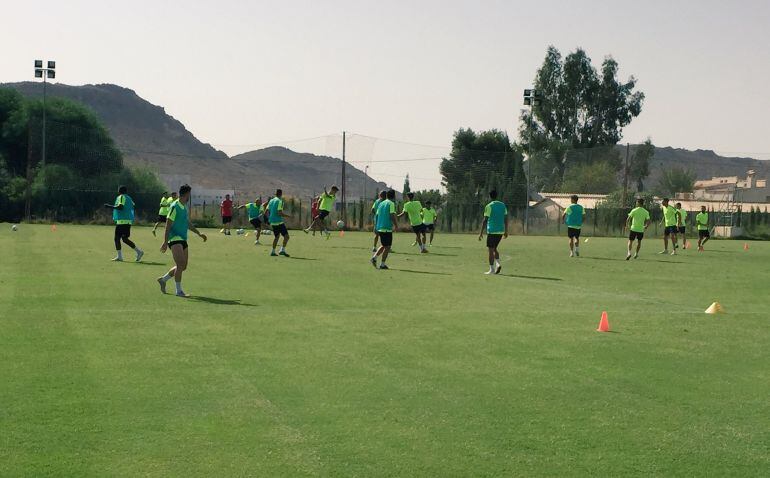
point(532, 98)
point(44, 73)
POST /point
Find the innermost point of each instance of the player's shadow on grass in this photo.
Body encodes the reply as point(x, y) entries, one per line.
point(348, 247)
point(518, 276)
point(212, 300)
point(601, 259)
point(149, 263)
point(303, 258)
point(422, 272)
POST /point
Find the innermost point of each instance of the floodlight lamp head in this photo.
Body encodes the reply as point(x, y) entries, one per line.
point(527, 93)
point(527, 101)
point(51, 65)
point(38, 73)
point(38, 63)
point(51, 74)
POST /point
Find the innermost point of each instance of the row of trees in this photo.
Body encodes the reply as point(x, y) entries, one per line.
point(82, 167)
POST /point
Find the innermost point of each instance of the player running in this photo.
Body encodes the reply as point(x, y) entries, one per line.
point(429, 217)
point(413, 209)
point(226, 209)
point(496, 224)
point(326, 203)
point(123, 215)
point(637, 222)
point(681, 230)
point(573, 217)
point(276, 216)
point(382, 196)
point(175, 238)
point(255, 210)
point(702, 223)
point(386, 224)
point(670, 218)
point(165, 202)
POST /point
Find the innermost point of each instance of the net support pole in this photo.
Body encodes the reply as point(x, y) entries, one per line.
point(343, 176)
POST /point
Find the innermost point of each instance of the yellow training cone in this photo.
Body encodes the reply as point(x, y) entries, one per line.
point(246, 235)
point(715, 308)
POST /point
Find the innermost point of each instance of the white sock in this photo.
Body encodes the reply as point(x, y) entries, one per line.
point(137, 250)
point(283, 249)
point(577, 249)
point(166, 277)
point(178, 287)
point(497, 263)
point(491, 268)
point(120, 254)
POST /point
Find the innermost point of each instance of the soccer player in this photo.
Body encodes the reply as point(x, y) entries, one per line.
point(573, 217)
point(670, 216)
point(496, 224)
point(326, 203)
point(413, 209)
point(386, 223)
point(382, 196)
point(637, 222)
point(702, 223)
point(165, 202)
point(276, 216)
point(226, 208)
point(429, 217)
point(255, 210)
point(681, 215)
point(123, 215)
point(175, 238)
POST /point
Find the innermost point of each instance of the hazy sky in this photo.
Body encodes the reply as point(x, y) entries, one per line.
point(240, 74)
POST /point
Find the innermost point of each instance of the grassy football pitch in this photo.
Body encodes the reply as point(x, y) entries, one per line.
point(320, 365)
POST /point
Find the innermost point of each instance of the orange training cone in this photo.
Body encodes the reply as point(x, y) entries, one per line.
point(604, 324)
point(342, 233)
point(715, 308)
point(53, 227)
point(745, 246)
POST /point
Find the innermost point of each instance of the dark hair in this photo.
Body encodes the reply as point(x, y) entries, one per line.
point(278, 192)
point(427, 203)
point(383, 194)
point(410, 196)
point(665, 200)
point(493, 194)
point(640, 201)
point(184, 189)
point(122, 189)
point(574, 197)
point(391, 194)
point(679, 204)
point(334, 187)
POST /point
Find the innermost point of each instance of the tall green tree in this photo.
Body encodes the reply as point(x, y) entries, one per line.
point(407, 189)
point(676, 180)
point(581, 108)
point(639, 164)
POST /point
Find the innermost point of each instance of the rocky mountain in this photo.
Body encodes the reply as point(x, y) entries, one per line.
point(149, 137)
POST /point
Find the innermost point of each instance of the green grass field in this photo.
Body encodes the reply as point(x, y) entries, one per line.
point(320, 365)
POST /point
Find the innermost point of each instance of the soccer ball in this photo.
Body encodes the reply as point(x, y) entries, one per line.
point(14, 227)
point(340, 224)
point(239, 232)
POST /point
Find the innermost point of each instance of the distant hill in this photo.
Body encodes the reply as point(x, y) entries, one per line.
point(149, 137)
point(704, 163)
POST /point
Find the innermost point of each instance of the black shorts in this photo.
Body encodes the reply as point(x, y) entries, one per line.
point(670, 230)
point(256, 223)
point(493, 240)
point(681, 229)
point(386, 238)
point(322, 214)
point(635, 235)
point(418, 228)
point(266, 218)
point(227, 219)
point(430, 227)
point(573, 232)
point(183, 243)
point(123, 230)
point(280, 229)
point(702, 233)
point(161, 218)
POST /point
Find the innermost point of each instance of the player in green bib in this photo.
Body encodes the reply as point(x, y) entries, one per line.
point(670, 219)
point(681, 221)
point(165, 202)
point(276, 216)
point(255, 210)
point(123, 215)
point(638, 221)
point(495, 224)
point(573, 217)
point(429, 216)
point(413, 210)
point(175, 238)
point(325, 206)
point(702, 223)
point(386, 224)
point(381, 197)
